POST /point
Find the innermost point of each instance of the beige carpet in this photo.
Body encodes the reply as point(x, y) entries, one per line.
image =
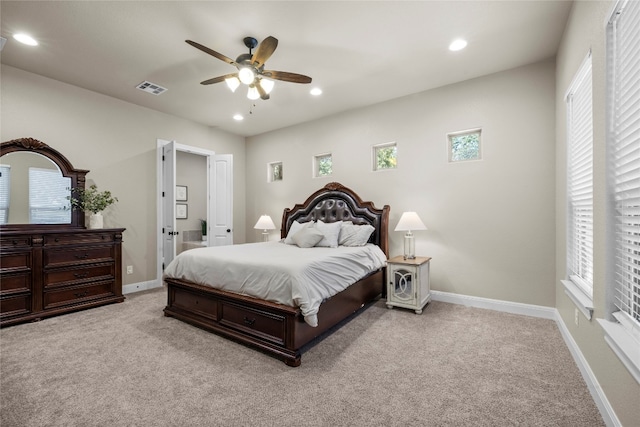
point(128, 365)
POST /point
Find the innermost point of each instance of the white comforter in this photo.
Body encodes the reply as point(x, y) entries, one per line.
point(274, 271)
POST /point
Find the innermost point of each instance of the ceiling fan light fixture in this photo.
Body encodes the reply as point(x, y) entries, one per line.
point(253, 93)
point(267, 85)
point(233, 83)
point(246, 75)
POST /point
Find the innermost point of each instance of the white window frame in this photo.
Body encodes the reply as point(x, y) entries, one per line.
point(622, 323)
point(317, 160)
point(379, 147)
point(273, 174)
point(452, 135)
point(578, 284)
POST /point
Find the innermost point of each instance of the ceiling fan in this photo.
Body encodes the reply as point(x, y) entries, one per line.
point(251, 70)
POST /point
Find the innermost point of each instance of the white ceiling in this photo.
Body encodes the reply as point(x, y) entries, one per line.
point(359, 53)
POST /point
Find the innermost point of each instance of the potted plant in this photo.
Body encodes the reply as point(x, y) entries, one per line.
point(203, 226)
point(94, 202)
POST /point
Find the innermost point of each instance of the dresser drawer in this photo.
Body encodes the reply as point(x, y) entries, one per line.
point(68, 276)
point(15, 242)
point(77, 239)
point(15, 305)
point(12, 283)
point(258, 323)
point(71, 256)
point(77, 294)
point(15, 261)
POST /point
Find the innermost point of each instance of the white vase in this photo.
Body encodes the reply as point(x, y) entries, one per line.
point(95, 220)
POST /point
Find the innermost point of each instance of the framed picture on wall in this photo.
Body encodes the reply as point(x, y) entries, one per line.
point(274, 172)
point(181, 210)
point(181, 193)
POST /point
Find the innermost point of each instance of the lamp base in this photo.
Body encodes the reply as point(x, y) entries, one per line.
point(265, 236)
point(409, 246)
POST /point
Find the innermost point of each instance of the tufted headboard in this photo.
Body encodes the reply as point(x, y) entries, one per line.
point(335, 202)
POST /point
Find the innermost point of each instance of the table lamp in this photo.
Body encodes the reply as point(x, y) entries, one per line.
point(409, 221)
point(265, 223)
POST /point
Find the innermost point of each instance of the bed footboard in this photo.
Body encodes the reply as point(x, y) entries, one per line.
point(273, 328)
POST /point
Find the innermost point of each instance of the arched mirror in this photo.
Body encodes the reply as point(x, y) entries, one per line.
point(36, 185)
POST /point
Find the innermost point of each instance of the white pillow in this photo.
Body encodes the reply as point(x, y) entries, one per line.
point(307, 237)
point(331, 231)
point(295, 227)
point(355, 235)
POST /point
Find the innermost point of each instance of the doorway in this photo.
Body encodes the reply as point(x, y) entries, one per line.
point(211, 200)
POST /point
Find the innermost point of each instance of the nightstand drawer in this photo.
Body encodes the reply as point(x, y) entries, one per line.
point(77, 294)
point(68, 276)
point(74, 256)
point(254, 322)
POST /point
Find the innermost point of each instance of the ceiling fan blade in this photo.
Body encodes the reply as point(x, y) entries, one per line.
point(218, 79)
point(261, 91)
point(264, 51)
point(286, 77)
point(212, 52)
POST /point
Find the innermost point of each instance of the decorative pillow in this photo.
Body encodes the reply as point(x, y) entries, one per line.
point(331, 231)
point(355, 235)
point(295, 227)
point(308, 237)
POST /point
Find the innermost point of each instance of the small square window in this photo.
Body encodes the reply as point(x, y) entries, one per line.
point(274, 172)
point(322, 165)
point(464, 145)
point(385, 156)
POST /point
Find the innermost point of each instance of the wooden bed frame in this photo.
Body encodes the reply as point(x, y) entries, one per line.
point(277, 329)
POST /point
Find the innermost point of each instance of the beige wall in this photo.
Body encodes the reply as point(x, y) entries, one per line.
point(116, 141)
point(586, 30)
point(491, 222)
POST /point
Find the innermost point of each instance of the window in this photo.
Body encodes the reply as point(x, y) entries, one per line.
point(464, 145)
point(385, 156)
point(49, 201)
point(622, 328)
point(5, 192)
point(322, 165)
point(274, 172)
point(580, 181)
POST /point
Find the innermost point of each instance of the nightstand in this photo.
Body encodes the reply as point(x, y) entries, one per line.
point(408, 283)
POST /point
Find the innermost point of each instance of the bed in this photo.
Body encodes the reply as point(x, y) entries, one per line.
point(280, 329)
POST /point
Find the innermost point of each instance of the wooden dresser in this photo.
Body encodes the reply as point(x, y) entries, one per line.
point(51, 272)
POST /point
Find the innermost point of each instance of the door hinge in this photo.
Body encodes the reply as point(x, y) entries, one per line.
point(162, 230)
point(163, 194)
point(163, 157)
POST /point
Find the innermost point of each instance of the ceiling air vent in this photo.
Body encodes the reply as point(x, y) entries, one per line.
point(151, 88)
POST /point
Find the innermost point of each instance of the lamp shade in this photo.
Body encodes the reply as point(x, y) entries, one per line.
point(410, 221)
point(265, 223)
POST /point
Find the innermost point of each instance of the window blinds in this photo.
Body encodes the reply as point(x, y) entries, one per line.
point(625, 154)
point(49, 197)
point(580, 180)
point(5, 192)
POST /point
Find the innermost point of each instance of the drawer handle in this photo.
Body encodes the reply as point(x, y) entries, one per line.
point(82, 294)
point(56, 240)
point(85, 256)
point(80, 275)
point(248, 321)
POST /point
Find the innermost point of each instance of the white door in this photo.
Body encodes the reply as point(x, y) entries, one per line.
point(169, 231)
point(222, 196)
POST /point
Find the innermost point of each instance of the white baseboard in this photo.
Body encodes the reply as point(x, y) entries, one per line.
point(497, 305)
point(551, 313)
point(141, 286)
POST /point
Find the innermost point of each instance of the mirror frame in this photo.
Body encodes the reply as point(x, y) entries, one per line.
point(77, 179)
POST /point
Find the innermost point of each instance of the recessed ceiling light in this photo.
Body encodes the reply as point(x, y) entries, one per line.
point(316, 91)
point(458, 44)
point(26, 39)
point(238, 117)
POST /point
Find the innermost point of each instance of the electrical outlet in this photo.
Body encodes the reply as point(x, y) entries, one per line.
point(129, 269)
point(576, 317)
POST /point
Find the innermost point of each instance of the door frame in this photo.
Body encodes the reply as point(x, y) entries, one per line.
point(210, 155)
